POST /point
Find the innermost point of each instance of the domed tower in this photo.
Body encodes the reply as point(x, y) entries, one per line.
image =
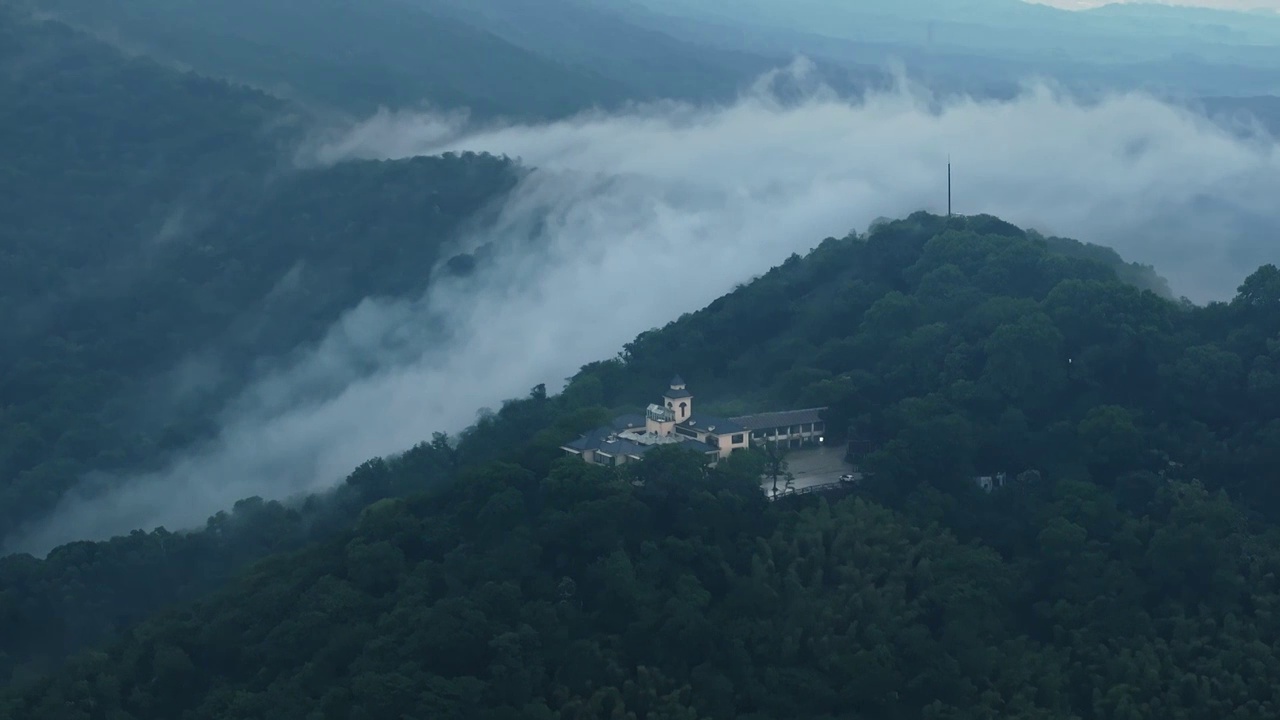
point(679, 399)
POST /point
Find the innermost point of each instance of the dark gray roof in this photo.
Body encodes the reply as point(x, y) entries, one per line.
point(628, 422)
point(782, 418)
point(677, 380)
point(677, 394)
point(696, 445)
point(622, 446)
point(606, 440)
point(591, 440)
point(707, 422)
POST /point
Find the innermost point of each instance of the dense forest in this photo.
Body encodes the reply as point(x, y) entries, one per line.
point(1127, 570)
point(162, 247)
point(154, 217)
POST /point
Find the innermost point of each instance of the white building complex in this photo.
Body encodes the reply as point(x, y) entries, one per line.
point(673, 421)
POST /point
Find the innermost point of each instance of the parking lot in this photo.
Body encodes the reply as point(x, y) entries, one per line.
point(817, 466)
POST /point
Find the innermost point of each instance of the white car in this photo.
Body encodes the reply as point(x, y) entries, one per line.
point(847, 477)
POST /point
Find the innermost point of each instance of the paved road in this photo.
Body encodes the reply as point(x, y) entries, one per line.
point(817, 466)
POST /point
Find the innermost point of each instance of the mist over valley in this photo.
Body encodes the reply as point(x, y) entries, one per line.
point(329, 293)
point(624, 221)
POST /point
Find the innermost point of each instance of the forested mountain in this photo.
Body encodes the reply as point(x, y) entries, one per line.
point(348, 56)
point(1247, 112)
point(1116, 33)
point(651, 58)
point(160, 246)
point(1127, 570)
point(971, 45)
point(154, 217)
point(506, 58)
point(648, 62)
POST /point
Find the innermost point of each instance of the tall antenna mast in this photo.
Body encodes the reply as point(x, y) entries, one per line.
point(948, 186)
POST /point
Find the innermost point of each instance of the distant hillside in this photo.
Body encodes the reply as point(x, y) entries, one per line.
point(1132, 548)
point(648, 60)
point(1245, 112)
point(103, 144)
point(1013, 28)
point(982, 44)
point(348, 56)
point(495, 57)
point(154, 217)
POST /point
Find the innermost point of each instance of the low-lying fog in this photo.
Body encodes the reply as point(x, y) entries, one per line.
point(657, 211)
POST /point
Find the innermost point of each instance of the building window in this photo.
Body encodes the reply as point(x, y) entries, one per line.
point(686, 432)
point(737, 439)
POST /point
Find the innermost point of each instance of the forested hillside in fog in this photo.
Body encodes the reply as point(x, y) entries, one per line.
point(493, 57)
point(1128, 570)
point(155, 218)
point(177, 275)
point(1188, 51)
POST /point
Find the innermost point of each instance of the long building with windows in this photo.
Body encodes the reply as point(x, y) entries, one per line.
point(787, 428)
point(673, 421)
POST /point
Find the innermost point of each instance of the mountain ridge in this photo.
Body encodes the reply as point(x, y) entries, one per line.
point(155, 214)
point(524, 437)
point(535, 585)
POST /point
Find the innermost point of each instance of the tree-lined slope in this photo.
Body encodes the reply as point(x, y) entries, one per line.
point(1128, 569)
point(973, 321)
point(154, 217)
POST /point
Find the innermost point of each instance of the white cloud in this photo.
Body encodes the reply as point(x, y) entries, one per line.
point(659, 210)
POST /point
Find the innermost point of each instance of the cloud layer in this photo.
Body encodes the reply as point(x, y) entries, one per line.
point(632, 219)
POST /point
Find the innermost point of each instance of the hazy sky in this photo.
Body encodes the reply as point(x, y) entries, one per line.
point(1218, 4)
point(657, 211)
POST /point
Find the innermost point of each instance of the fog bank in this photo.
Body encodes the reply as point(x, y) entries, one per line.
point(634, 218)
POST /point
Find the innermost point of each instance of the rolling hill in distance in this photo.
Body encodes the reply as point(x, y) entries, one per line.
point(982, 46)
point(347, 56)
point(305, 299)
point(498, 58)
